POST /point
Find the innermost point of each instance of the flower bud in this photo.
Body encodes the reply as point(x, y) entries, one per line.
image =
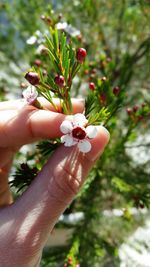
point(37, 62)
point(103, 98)
point(108, 59)
point(86, 72)
point(93, 71)
point(144, 105)
point(141, 205)
point(79, 37)
point(48, 19)
point(32, 77)
point(23, 85)
point(44, 72)
point(129, 111)
point(60, 16)
point(81, 54)
point(135, 108)
point(103, 79)
point(140, 118)
point(116, 90)
point(92, 76)
point(92, 86)
point(70, 261)
point(42, 17)
point(59, 80)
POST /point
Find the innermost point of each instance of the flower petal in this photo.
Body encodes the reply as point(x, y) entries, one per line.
point(91, 131)
point(66, 127)
point(30, 94)
point(79, 119)
point(67, 140)
point(84, 146)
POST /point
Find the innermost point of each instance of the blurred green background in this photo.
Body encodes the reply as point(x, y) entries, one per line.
point(116, 35)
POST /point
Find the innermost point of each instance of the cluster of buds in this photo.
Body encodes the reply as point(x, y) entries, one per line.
point(52, 19)
point(104, 63)
point(138, 112)
point(92, 85)
point(102, 88)
point(46, 19)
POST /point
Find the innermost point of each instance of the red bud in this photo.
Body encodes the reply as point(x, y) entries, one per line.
point(32, 77)
point(81, 54)
point(59, 80)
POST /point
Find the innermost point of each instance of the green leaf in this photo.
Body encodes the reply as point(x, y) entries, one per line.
point(47, 147)
point(55, 63)
point(63, 42)
point(99, 117)
point(49, 43)
point(67, 66)
point(71, 55)
point(121, 185)
point(51, 82)
point(54, 34)
point(23, 177)
point(64, 57)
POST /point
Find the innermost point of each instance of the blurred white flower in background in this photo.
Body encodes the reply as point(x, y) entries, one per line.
point(136, 251)
point(68, 28)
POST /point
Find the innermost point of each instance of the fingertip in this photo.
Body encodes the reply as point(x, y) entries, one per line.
point(78, 105)
point(98, 143)
point(105, 133)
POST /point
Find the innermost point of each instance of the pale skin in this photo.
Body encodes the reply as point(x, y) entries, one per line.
point(25, 224)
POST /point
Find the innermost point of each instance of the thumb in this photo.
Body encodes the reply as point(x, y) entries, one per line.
point(54, 188)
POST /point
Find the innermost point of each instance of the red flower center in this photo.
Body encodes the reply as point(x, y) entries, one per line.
point(78, 133)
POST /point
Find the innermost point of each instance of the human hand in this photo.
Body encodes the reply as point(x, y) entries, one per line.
point(26, 224)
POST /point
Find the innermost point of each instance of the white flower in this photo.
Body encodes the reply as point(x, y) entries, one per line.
point(61, 25)
point(76, 133)
point(30, 94)
point(40, 48)
point(31, 40)
point(68, 28)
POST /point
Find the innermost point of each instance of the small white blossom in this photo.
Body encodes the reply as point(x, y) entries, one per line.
point(40, 48)
point(72, 31)
point(68, 28)
point(31, 40)
point(61, 25)
point(76, 133)
point(30, 94)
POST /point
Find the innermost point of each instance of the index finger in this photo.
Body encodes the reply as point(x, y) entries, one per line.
point(27, 125)
point(18, 103)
